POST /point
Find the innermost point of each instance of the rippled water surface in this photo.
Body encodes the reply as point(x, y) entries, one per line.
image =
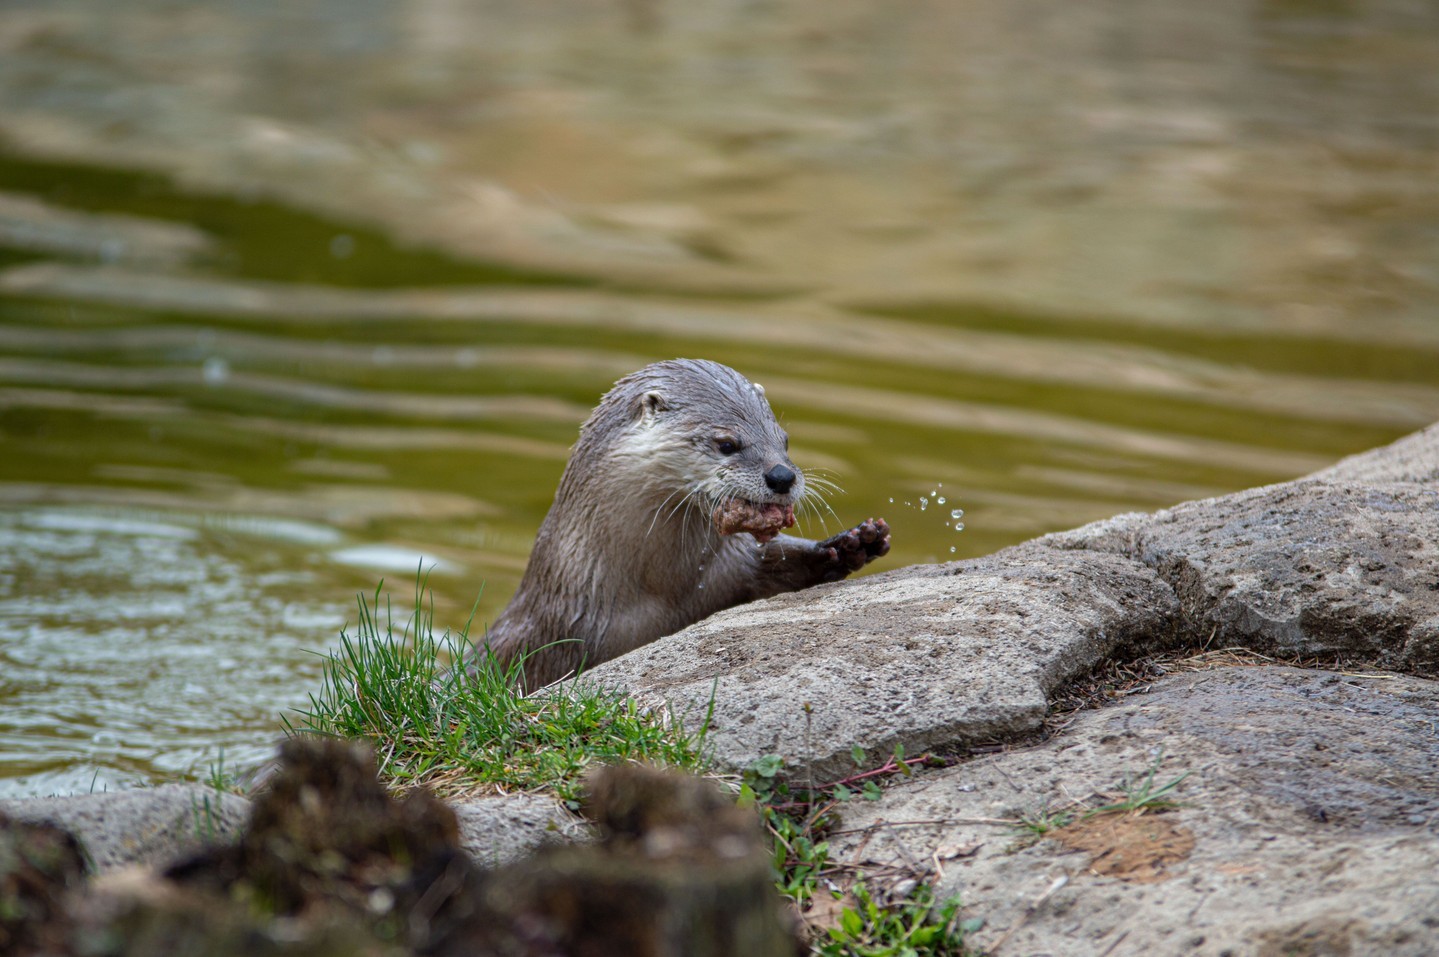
point(294, 295)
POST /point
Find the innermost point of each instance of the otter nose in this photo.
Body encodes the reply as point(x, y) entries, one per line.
point(779, 479)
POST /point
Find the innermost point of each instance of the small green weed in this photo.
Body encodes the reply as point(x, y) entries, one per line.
point(1039, 823)
point(797, 820)
point(909, 927)
point(220, 779)
point(799, 855)
point(205, 813)
point(1139, 795)
point(205, 810)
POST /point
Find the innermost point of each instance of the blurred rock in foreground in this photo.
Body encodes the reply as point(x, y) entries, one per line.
point(331, 863)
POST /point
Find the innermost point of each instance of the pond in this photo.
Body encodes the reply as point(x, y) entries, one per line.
point(295, 298)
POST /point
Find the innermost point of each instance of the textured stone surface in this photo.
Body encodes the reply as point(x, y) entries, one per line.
point(1312, 800)
point(1313, 567)
point(498, 830)
point(926, 657)
point(1412, 459)
point(150, 826)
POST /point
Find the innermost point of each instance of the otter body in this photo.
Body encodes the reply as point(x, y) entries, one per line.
point(669, 510)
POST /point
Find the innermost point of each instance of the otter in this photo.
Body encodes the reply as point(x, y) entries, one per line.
point(670, 509)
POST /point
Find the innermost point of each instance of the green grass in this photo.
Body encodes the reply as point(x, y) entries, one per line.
point(910, 926)
point(460, 734)
point(913, 924)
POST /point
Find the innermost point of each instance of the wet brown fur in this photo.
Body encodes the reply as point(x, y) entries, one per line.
point(628, 552)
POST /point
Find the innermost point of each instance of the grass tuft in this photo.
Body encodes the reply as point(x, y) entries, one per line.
point(465, 734)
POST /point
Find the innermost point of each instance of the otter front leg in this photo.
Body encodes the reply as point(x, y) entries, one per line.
point(789, 564)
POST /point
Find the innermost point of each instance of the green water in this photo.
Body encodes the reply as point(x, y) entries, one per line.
point(275, 380)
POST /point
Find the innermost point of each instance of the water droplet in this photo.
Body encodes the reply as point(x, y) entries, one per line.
point(700, 585)
point(951, 549)
point(957, 513)
point(891, 500)
point(923, 504)
point(939, 501)
point(959, 526)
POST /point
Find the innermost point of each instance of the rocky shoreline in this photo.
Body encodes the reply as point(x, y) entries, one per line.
point(1308, 819)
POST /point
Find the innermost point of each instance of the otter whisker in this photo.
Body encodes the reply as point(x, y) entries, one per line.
point(818, 515)
point(691, 503)
point(824, 483)
point(660, 508)
point(817, 493)
point(686, 503)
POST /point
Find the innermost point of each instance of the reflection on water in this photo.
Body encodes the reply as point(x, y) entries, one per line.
point(1050, 262)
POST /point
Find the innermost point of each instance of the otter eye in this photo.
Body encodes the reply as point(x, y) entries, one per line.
point(727, 446)
point(786, 443)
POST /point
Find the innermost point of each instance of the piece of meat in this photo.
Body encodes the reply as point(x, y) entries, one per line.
point(764, 522)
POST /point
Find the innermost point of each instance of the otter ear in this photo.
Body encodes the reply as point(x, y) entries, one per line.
point(651, 404)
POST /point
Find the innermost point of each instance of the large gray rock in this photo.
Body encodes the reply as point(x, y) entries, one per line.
point(1312, 567)
point(1311, 801)
point(1343, 565)
point(927, 657)
point(148, 826)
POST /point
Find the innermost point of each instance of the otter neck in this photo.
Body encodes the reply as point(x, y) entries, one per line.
point(663, 535)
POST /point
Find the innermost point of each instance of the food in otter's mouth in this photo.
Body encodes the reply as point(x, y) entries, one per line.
point(762, 521)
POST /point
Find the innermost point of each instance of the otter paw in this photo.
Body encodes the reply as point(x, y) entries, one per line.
point(853, 549)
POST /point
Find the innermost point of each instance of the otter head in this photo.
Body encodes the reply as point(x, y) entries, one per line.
point(702, 436)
